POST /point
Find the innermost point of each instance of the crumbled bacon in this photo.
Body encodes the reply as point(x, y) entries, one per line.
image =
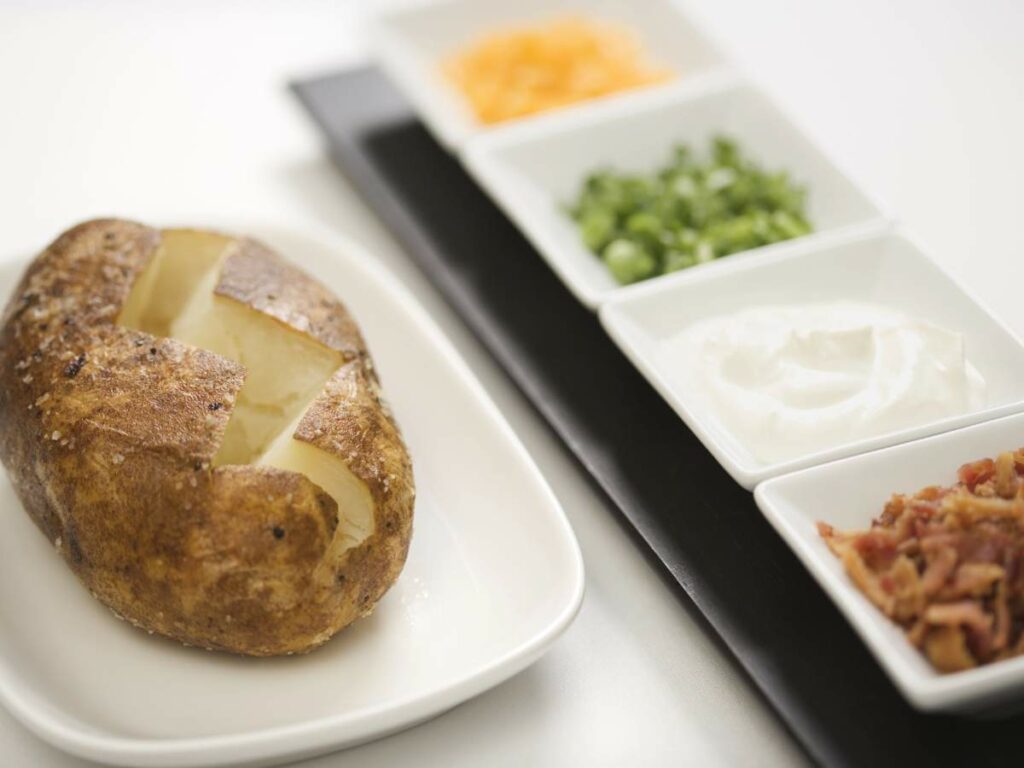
point(947, 564)
point(1006, 476)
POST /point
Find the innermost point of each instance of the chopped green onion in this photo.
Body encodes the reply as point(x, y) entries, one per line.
point(689, 212)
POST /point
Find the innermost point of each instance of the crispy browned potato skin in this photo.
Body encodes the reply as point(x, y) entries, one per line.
point(108, 435)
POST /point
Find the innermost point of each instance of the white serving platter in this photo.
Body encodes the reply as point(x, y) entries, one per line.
point(535, 171)
point(880, 267)
point(494, 576)
point(848, 494)
point(411, 40)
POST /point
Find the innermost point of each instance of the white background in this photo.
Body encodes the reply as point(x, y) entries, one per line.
point(172, 112)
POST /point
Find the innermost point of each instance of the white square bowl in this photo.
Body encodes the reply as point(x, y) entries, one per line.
point(412, 39)
point(535, 171)
point(881, 267)
point(848, 494)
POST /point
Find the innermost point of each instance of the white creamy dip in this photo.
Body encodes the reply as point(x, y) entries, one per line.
point(793, 380)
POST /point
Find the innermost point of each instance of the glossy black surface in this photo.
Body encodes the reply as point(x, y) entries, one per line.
point(704, 531)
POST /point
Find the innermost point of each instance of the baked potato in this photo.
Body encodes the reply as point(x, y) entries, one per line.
point(197, 426)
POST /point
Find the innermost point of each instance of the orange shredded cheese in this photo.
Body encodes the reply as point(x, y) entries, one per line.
point(523, 71)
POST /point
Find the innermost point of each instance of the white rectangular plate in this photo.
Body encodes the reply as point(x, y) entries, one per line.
point(412, 39)
point(849, 494)
point(494, 576)
point(534, 171)
point(874, 267)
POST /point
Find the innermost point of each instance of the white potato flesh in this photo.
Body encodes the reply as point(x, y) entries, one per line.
point(182, 261)
point(135, 306)
point(285, 369)
point(355, 505)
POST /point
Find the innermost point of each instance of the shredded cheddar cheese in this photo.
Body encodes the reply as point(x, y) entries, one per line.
point(519, 72)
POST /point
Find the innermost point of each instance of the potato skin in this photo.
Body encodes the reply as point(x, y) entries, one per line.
point(108, 435)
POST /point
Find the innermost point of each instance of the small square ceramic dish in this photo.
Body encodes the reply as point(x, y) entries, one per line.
point(534, 171)
point(411, 40)
point(494, 576)
point(880, 267)
point(849, 494)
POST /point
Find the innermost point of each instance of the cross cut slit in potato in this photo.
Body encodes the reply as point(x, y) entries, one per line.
point(285, 369)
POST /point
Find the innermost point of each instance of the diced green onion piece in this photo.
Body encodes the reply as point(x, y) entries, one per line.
point(628, 262)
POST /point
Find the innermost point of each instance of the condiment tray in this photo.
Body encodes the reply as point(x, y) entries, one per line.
point(411, 39)
point(697, 524)
point(879, 267)
point(534, 171)
point(494, 576)
point(849, 494)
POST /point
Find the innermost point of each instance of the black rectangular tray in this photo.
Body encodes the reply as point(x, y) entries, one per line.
point(733, 572)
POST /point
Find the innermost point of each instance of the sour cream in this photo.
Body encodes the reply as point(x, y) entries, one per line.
point(787, 381)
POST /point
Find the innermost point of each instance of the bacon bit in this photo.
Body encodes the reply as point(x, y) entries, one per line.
point(946, 647)
point(933, 541)
point(976, 472)
point(867, 580)
point(877, 547)
point(917, 633)
point(987, 489)
point(911, 547)
point(1001, 612)
point(964, 613)
point(893, 510)
point(905, 584)
point(940, 567)
point(975, 507)
point(975, 580)
point(1006, 476)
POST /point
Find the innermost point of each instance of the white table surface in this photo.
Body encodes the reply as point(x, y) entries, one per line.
point(129, 108)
